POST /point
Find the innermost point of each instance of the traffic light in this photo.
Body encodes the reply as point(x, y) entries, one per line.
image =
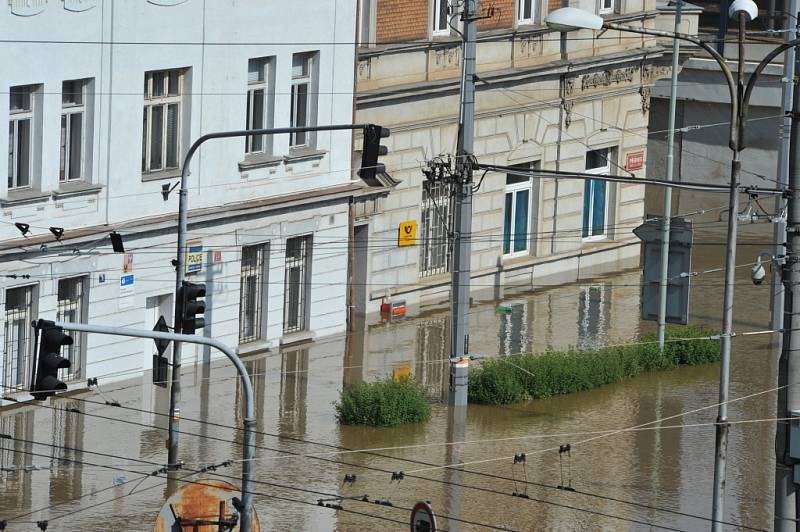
point(370, 166)
point(46, 381)
point(191, 307)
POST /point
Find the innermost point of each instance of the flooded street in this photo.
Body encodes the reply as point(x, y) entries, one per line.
point(636, 480)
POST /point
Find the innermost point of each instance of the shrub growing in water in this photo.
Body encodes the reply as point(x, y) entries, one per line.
point(383, 403)
point(532, 376)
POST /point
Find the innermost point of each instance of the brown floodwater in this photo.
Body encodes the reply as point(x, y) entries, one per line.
point(633, 480)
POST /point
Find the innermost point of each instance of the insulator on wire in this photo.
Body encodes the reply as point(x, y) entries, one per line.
point(398, 476)
point(562, 450)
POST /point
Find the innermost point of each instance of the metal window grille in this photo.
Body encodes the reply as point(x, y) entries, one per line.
point(437, 226)
point(161, 132)
point(298, 270)
point(70, 307)
point(17, 349)
point(251, 298)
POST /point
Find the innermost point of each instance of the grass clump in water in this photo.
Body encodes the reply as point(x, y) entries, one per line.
point(518, 378)
point(384, 403)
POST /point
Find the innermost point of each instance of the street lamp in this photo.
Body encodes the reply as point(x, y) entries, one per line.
point(571, 19)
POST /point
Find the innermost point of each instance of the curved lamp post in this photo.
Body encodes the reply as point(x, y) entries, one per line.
point(570, 19)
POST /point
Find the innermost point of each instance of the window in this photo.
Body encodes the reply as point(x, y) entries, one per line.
point(259, 103)
point(252, 290)
point(17, 348)
point(296, 283)
point(517, 212)
point(73, 127)
point(595, 195)
point(437, 226)
point(606, 6)
point(20, 136)
point(526, 11)
point(71, 307)
point(303, 111)
point(161, 133)
point(441, 17)
point(367, 23)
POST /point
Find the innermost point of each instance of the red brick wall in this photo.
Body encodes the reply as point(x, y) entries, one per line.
point(503, 14)
point(552, 5)
point(401, 20)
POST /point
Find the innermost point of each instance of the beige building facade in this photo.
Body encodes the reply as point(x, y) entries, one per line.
point(570, 102)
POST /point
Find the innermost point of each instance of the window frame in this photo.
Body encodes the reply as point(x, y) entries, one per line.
point(514, 189)
point(68, 110)
point(75, 353)
point(259, 271)
point(601, 10)
point(14, 377)
point(307, 79)
point(265, 84)
point(436, 250)
point(436, 20)
point(521, 4)
point(586, 221)
point(15, 117)
point(301, 318)
point(163, 101)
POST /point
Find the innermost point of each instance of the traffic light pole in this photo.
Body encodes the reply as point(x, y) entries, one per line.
point(180, 266)
point(248, 450)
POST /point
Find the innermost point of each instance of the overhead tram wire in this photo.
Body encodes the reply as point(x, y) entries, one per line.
point(211, 470)
point(385, 471)
point(185, 480)
point(336, 496)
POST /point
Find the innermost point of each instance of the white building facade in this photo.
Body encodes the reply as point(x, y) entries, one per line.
point(102, 101)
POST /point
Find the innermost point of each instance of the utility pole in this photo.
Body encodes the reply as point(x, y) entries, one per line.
point(779, 227)
point(786, 499)
point(462, 245)
point(665, 226)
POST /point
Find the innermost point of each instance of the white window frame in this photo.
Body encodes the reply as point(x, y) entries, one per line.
point(165, 100)
point(18, 349)
point(304, 78)
point(604, 9)
point(253, 86)
point(513, 189)
point(601, 170)
point(367, 24)
point(16, 116)
point(436, 19)
point(300, 319)
point(73, 309)
point(68, 111)
point(521, 5)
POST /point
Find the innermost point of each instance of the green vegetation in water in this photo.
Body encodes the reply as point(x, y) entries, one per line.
point(518, 378)
point(384, 403)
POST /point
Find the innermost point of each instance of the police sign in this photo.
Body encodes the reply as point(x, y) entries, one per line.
point(194, 257)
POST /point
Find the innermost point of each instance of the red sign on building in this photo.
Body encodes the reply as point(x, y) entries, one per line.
point(634, 160)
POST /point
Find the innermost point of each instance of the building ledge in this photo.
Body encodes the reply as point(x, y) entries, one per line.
point(303, 154)
point(300, 337)
point(76, 188)
point(253, 349)
point(259, 160)
point(24, 196)
point(164, 174)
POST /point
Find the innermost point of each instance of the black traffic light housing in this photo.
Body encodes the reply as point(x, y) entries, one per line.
point(191, 307)
point(373, 149)
point(45, 382)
